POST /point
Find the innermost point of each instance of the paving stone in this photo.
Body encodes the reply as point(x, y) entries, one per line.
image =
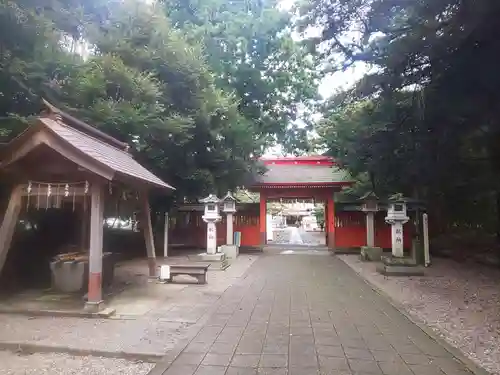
point(249, 348)
point(241, 371)
point(245, 360)
point(378, 344)
point(353, 353)
point(407, 349)
point(179, 369)
point(275, 349)
point(328, 323)
point(274, 360)
point(394, 368)
point(353, 343)
point(362, 366)
point(303, 360)
point(272, 371)
point(425, 370)
point(211, 370)
point(330, 351)
point(333, 363)
point(327, 340)
point(197, 347)
point(386, 355)
point(448, 365)
point(212, 359)
point(296, 353)
point(189, 358)
point(415, 359)
point(222, 348)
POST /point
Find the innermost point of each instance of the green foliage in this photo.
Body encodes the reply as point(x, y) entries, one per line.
point(198, 89)
point(424, 120)
point(252, 53)
point(319, 214)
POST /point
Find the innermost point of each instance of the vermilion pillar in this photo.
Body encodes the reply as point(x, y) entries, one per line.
point(262, 219)
point(330, 222)
point(94, 300)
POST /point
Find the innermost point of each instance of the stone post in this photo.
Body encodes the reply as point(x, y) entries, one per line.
point(370, 229)
point(370, 207)
point(425, 224)
point(211, 237)
point(229, 228)
point(165, 236)
point(229, 207)
point(397, 239)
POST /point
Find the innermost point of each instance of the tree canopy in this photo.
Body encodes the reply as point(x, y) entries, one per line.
point(424, 119)
point(198, 89)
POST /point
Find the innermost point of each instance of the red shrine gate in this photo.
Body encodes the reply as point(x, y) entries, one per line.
point(316, 177)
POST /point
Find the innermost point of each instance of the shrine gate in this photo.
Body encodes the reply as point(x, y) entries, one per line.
point(316, 177)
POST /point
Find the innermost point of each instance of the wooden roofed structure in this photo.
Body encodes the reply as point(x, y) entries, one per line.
point(316, 177)
point(62, 158)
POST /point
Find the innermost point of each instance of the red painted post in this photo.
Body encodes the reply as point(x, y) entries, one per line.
point(330, 225)
point(262, 219)
point(94, 296)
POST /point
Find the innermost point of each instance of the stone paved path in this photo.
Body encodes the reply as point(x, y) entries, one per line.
point(283, 236)
point(306, 314)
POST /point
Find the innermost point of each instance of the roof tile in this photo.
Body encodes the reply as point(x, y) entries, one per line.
point(112, 157)
point(302, 174)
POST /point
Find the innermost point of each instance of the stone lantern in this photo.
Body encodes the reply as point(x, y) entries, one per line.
point(396, 217)
point(211, 216)
point(397, 264)
point(370, 207)
point(229, 208)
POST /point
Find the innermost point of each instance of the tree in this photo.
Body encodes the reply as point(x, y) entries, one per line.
point(141, 82)
point(252, 53)
point(424, 119)
point(319, 214)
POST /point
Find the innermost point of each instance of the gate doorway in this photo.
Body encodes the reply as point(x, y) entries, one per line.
point(296, 221)
point(313, 179)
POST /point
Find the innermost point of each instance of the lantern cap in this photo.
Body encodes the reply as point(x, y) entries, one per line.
point(212, 198)
point(369, 196)
point(398, 197)
point(229, 197)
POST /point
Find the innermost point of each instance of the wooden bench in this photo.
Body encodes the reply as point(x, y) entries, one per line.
point(199, 271)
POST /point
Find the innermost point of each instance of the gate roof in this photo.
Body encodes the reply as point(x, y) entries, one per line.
point(301, 172)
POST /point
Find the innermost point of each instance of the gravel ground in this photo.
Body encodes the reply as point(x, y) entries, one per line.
point(135, 336)
point(151, 320)
point(54, 364)
point(459, 301)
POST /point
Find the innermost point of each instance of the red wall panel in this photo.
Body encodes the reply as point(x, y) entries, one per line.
point(350, 230)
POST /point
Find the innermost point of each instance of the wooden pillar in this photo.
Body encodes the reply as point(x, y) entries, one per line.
point(94, 296)
point(147, 230)
point(262, 220)
point(330, 224)
point(9, 223)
